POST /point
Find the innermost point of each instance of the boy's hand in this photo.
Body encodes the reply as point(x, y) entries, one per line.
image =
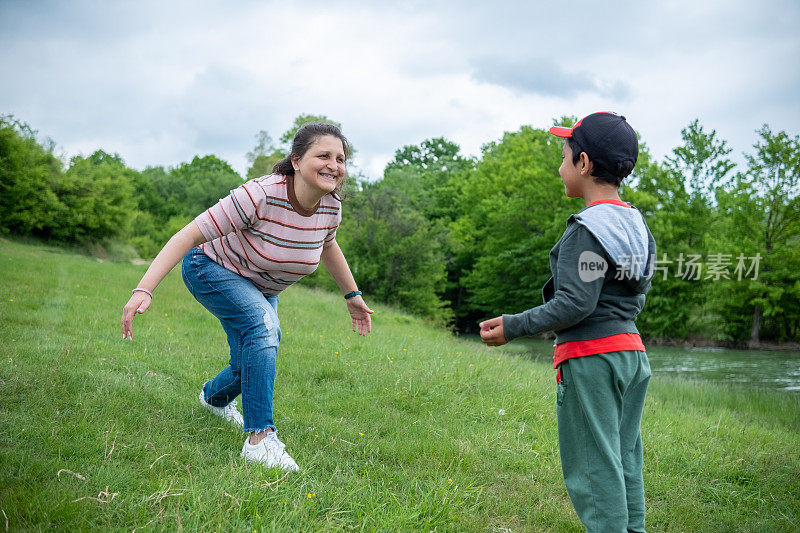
point(492, 333)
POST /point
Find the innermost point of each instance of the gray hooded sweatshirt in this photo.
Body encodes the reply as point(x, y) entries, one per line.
point(602, 267)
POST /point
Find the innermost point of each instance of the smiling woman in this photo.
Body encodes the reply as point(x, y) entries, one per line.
point(318, 157)
point(240, 254)
point(321, 169)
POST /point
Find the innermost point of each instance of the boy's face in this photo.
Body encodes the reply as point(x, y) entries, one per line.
point(571, 173)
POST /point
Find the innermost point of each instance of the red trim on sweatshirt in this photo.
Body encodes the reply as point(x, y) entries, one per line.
point(610, 201)
point(613, 343)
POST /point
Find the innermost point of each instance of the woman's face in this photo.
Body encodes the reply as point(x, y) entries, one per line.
point(322, 167)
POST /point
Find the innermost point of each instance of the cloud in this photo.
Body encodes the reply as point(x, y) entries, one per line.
point(545, 77)
point(161, 82)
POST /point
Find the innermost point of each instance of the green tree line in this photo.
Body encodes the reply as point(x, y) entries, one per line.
point(457, 238)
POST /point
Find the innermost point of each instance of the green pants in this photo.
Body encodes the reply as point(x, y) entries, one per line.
point(600, 402)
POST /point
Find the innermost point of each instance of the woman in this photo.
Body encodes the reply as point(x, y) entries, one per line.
point(240, 254)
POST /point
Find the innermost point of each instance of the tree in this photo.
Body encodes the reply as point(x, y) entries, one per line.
point(513, 209)
point(761, 218)
point(263, 157)
point(28, 173)
point(153, 189)
point(167, 200)
point(702, 160)
point(701, 165)
point(196, 186)
point(299, 122)
point(659, 193)
point(97, 195)
point(425, 174)
point(427, 178)
point(395, 252)
point(149, 227)
point(436, 155)
point(678, 198)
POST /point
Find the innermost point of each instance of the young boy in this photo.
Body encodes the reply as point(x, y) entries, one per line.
point(602, 267)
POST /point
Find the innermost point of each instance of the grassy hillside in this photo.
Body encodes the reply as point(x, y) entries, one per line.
point(408, 429)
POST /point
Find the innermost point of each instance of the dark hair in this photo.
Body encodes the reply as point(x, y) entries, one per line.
point(303, 139)
point(600, 173)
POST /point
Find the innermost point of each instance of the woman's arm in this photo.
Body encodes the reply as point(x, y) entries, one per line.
point(169, 256)
point(334, 261)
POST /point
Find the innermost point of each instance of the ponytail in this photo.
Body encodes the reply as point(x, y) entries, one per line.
point(284, 166)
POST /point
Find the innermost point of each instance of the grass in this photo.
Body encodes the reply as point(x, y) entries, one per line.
point(398, 431)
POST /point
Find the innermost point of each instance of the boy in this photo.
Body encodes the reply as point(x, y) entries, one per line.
point(602, 267)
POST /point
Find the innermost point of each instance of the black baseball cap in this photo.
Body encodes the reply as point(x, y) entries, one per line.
point(607, 139)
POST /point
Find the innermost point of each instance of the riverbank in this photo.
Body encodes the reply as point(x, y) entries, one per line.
point(408, 429)
point(743, 369)
point(700, 342)
point(703, 342)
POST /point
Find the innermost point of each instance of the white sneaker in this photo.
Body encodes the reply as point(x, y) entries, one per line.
point(229, 412)
point(270, 451)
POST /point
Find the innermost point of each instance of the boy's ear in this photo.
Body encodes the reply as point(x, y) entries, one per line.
point(586, 164)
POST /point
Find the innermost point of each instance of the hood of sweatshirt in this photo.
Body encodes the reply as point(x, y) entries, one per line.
point(624, 235)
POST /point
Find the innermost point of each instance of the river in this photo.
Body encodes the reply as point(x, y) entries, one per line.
point(778, 370)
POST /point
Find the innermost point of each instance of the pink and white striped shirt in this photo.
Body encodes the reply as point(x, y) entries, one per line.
point(261, 232)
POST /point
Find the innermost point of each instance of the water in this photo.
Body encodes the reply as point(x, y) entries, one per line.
point(768, 369)
point(764, 369)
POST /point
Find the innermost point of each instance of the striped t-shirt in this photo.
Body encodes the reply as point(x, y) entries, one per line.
point(261, 232)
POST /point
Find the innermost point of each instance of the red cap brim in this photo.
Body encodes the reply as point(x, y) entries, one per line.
point(561, 131)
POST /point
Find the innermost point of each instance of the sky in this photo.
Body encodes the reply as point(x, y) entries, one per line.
point(160, 82)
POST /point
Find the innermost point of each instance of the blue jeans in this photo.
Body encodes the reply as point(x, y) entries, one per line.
point(250, 320)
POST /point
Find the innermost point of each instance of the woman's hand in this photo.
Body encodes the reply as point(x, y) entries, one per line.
point(138, 304)
point(333, 259)
point(169, 256)
point(362, 322)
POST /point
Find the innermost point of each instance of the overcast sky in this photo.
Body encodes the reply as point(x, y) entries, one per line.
point(159, 81)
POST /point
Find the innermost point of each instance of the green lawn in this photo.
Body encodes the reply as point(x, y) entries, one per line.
point(399, 431)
